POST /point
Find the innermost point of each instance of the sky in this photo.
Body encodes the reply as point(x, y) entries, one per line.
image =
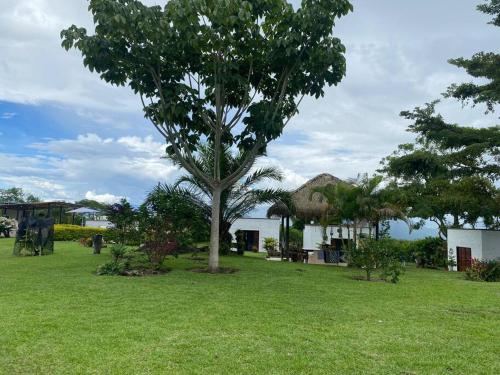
point(67, 135)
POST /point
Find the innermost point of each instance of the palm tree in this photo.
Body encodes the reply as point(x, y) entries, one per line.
point(342, 206)
point(239, 199)
point(377, 204)
point(363, 200)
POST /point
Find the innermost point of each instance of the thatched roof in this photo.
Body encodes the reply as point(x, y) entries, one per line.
point(305, 205)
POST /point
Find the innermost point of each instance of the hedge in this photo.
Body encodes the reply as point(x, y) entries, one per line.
point(67, 232)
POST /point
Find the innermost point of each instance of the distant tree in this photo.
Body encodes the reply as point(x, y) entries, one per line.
point(124, 218)
point(363, 200)
point(92, 204)
point(450, 171)
point(483, 65)
point(229, 71)
point(17, 195)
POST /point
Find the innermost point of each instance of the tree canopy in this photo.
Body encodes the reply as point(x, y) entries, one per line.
point(483, 65)
point(17, 195)
point(450, 170)
point(230, 72)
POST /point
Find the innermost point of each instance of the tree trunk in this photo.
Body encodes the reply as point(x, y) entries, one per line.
point(355, 234)
point(287, 237)
point(213, 260)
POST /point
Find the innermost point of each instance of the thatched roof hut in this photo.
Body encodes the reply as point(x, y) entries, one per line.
point(305, 205)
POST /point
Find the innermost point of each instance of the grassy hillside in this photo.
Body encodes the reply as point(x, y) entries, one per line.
point(57, 317)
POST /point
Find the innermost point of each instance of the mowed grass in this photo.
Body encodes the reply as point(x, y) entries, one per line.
point(57, 317)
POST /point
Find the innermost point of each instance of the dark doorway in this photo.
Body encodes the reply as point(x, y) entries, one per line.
point(250, 240)
point(464, 258)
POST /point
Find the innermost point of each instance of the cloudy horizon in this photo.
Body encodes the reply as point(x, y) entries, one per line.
point(67, 135)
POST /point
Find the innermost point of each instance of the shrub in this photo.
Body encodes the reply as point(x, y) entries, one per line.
point(118, 252)
point(430, 252)
point(85, 241)
point(483, 270)
point(296, 238)
point(67, 232)
point(112, 268)
point(371, 255)
point(271, 246)
point(6, 225)
point(157, 251)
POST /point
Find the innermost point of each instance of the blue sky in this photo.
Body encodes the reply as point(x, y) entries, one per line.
point(64, 134)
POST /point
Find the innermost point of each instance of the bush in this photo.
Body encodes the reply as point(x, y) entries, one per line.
point(296, 239)
point(271, 246)
point(67, 232)
point(371, 255)
point(6, 225)
point(157, 251)
point(112, 268)
point(483, 270)
point(430, 252)
point(85, 241)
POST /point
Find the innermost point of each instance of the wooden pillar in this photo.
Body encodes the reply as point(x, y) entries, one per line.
point(49, 211)
point(60, 215)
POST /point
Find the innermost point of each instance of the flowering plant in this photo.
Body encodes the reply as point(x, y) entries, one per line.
point(6, 225)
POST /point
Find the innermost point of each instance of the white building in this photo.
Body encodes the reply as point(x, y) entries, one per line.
point(313, 235)
point(313, 238)
point(467, 244)
point(255, 230)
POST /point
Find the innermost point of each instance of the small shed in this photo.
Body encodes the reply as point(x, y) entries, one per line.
point(255, 230)
point(467, 244)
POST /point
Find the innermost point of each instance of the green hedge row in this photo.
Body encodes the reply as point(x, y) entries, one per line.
point(67, 232)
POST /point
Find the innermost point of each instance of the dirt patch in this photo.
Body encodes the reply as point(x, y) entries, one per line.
point(145, 272)
point(221, 270)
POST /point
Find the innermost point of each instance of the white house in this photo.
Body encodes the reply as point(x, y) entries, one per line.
point(467, 244)
point(313, 238)
point(255, 230)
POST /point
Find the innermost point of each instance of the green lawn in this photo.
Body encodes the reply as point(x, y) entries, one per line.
point(57, 317)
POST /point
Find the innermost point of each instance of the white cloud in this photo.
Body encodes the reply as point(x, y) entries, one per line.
point(7, 115)
point(102, 198)
point(73, 168)
point(390, 67)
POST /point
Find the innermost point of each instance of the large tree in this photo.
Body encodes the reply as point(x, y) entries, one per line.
point(449, 172)
point(231, 72)
point(483, 65)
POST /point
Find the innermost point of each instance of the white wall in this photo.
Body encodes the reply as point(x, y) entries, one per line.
point(465, 238)
point(265, 227)
point(99, 224)
point(313, 235)
point(491, 244)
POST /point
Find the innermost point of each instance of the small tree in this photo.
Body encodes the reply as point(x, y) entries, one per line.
point(124, 217)
point(371, 255)
point(229, 71)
